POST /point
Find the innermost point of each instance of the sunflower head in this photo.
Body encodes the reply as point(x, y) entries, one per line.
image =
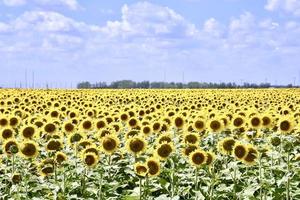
point(189, 149)
point(240, 151)
point(141, 169)
point(90, 159)
point(7, 133)
point(198, 158)
point(10, 146)
point(60, 157)
point(54, 145)
point(136, 145)
point(28, 132)
point(179, 122)
point(164, 150)
point(29, 149)
point(226, 145)
point(153, 166)
point(191, 138)
point(110, 144)
point(252, 155)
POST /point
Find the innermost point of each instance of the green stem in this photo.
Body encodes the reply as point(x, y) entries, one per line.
point(13, 163)
point(260, 179)
point(141, 194)
point(234, 183)
point(288, 180)
point(109, 168)
point(100, 186)
point(83, 182)
point(64, 182)
point(212, 183)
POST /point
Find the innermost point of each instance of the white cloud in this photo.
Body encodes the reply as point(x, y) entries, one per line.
point(14, 2)
point(147, 39)
point(289, 6)
point(144, 19)
point(71, 4)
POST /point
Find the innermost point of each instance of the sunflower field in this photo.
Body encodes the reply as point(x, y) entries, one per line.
point(150, 144)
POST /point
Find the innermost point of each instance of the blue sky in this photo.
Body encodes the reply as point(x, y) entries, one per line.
point(66, 41)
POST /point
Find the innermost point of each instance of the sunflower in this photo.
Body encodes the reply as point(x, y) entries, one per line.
point(285, 125)
point(46, 167)
point(186, 151)
point(131, 133)
point(3, 121)
point(179, 122)
point(267, 121)
point(84, 143)
point(146, 130)
point(140, 169)
point(215, 125)
point(198, 158)
point(7, 133)
point(226, 145)
point(156, 127)
point(251, 156)
point(199, 125)
point(124, 117)
point(165, 137)
point(50, 128)
point(164, 150)
point(90, 159)
point(153, 166)
point(14, 121)
point(210, 157)
point(10, 146)
point(100, 124)
point(110, 143)
point(91, 149)
point(75, 138)
point(240, 151)
point(68, 127)
point(136, 145)
point(238, 121)
point(16, 178)
point(60, 157)
point(132, 122)
point(29, 149)
point(191, 138)
point(54, 145)
point(28, 132)
point(86, 125)
point(255, 122)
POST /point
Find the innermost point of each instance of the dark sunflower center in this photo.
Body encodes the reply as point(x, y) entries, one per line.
point(179, 122)
point(238, 122)
point(285, 125)
point(29, 149)
point(164, 151)
point(28, 132)
point(198, 158)
point(255, 121)
point(109, 144)
point(136, 145)
point(153, 167)
point(240, 151)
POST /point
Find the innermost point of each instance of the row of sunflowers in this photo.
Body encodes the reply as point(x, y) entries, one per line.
point(150, 144)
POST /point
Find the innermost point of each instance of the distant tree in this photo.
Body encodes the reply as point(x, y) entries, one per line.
point(84, 85)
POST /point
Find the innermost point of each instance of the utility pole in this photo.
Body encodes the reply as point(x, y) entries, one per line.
point(25, 78)
point(32, 79)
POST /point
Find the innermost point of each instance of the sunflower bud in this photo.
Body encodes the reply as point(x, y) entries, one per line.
point(14, 149)
point(16, 178)
point(275, 141)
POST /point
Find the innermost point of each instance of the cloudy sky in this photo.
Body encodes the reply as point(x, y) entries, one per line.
point(66, 41)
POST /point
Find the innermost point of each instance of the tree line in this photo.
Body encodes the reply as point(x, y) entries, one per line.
point(127, 84)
